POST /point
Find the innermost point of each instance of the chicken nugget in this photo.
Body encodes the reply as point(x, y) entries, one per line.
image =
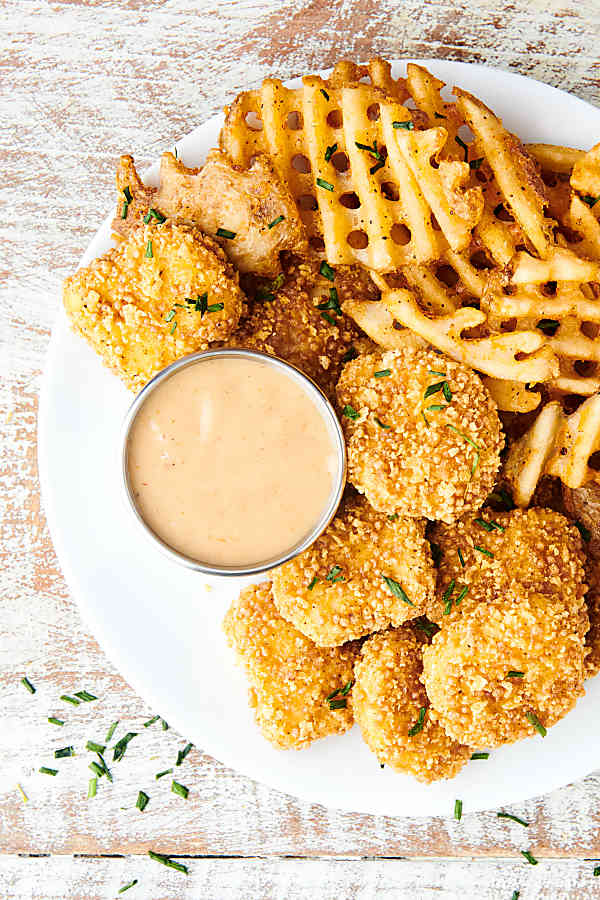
point(299, 692)
point(365, 572)
point(509, 666)
point(393, 710)
point(423, 433)
point(165, 291)
point(592, 602)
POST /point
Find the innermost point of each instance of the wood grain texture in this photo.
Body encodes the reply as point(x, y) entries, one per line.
point(82, 82)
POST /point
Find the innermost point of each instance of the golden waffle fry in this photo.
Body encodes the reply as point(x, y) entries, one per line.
point(527, 457)
point(512, 396)
point(585, 177)
point(554, 158)
point(378, 323)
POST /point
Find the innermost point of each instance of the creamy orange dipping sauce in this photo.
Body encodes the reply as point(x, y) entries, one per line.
point(231, 461)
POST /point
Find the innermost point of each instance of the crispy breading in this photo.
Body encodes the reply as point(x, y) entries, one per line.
point(140, 305)
point(253, 204)
point(290, 678)
point(592, 602)
point(538, 548)
point(388, 701)
point(336, 590)
point(422, 441)
point(466, 669)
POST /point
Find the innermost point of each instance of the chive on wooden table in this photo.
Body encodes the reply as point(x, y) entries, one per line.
point(81, 83)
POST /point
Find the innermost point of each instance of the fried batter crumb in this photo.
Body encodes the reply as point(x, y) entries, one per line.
point(592, 638)
point(290, 678)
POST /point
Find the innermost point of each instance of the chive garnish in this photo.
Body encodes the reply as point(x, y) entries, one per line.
point(179, 789)
point(394, 517)
point(382, 424)
point(135, 881)
point(465, 437)
point(418, 726)
point(461, 557)
point(458, 810)
point(515, 895)
point(328, 318)
point(427, 627)
point(104, 768)
point(226, 233)
point(433, 389)
point(172, 328)
point(484, 551)
point(338, 703)
point(154, 214)
point(548, 326)
point(350, 412)
point(68, 699)
point(379, 165)
point(46, 771)
point(436, 407)
point(372, 150)
point(591, 201)
point(275, 222)
point(476, 163)
point(533, 720)
point(151, 721)
point(181, 755)
point(94, 747)
point(92, 787)
point(397, 590)
point(503, 498)
point(149, 253)
point(489, 526)
point(167, 861)
point(54, 721)
point(529, 857)
point(408, 126)
point(127, 194)
point(142, 801)
point(334, 574)
point(461, 596)
point(162, 774)
point(475, 464)
point(462, 144)
point(124, 209)
point(350, 354)
point(63, 752)
point(505, 815)
point(583, 531)
point(596, 871)
point(447, 597)
point(330, 151)
point(383, 373)
point(433, 372)
point(425, 418)
point(446, 392)
point(26, 683)
point(165, 725)
point(347, 687)
point(480, 756)
point(324, 92)
point(111, 731)
point(121, 746)
point(96, 769)
point(326, 271)
point(326, 185)
point(333, 302)
point(313, 583)
point(515, 674)
point(85, 696)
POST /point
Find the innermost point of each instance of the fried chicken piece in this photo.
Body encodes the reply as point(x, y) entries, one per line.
point(423, 440)
point(252, 204)
point(510, 665)
point(165, 291)
point(592, 602)
point(292, 681)
point(538, 548)
point(393, 710)
point(365, 572)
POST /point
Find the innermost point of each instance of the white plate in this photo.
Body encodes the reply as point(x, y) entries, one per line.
point(161, 626)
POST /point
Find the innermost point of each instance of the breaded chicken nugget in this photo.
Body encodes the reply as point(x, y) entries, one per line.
point(538, 548)
point(393, 711)
point(299, 692)
point(592, 638)
point(509, 666)
point(165, 291)
point(423, 433)
point(365, 572)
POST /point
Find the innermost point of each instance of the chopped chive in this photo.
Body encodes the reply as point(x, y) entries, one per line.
point(155, 214)
point(94, 747)
point(515, 895)
point(397, 590)
point(22, 793)
point(583, 531)
point(328, 318)
point(427, 627)
point(92, 788)
point(26, 683)
point(339, 703)
point(350, 412)
point(165, 725)
point(121, 746)
point(332, 303)
point(85, 696)
point(533, 719)
point(332, 695)
point(151, 721)
point(181, 755)
point(418, 726)
point(548, 326)
point(465, 437)
point(325, 94)
point(350, 354)
point(162, 774)
point(372, 150)
point(142, 801)
point(394, 517)
point(179, 789)
point(149, 253)
point(487, 526)
point(379, 165)
point(127, 194)
point(503, 498)
point(172, 328)
point(439, 115)
point(111, 731)
point(461, 557)
point(475, 464)
point(505, 815)
point(170, 315)
point(437, 407)
point(425, 418)
point(313, 583)
point(326, 185)
point(135, 881)
point(529, 857)
point(167, 861)
point(462, 144)
point(105, 770)
point(275, 222)
point(433, 389)
point(347, 687)
point(596, 871)
point(515, 674)
point(226, 233)
point(476, 163)
point(334, 574)
point(461, 596)
point(382, 424)
point(446, 391)
point(63, 752)
point(484, 551)
point(408, 126)
point(480, 755)
point(591, 201)
point(447, 597)
point(96, 769)
point(383, 373)
point(433, 372)
point(458, 810)
point(326, 271)
point(330, 151)
point(68, 699)
point(124, 209)
point(46, 771)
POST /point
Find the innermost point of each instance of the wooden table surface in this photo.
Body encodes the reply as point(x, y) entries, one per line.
point(82, 82)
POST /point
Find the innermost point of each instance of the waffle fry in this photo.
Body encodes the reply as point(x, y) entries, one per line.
point(586, 173)
point(554, 158)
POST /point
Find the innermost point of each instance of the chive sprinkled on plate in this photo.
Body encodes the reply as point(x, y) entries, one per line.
point(330, 151)
point(96, 769)
point(92, 788)
point(46, 771)
point(372, 150)
point(515, 674)
point(461, 557)
point(515, 895)
point(484, 551)
point(425, 418)
point(111, 731)
point(127, 195)
point(72, 700)
point(127, 886)
point(149, 252)
point(446, 391)
point(433, 389)
point(151, 721)
point(591, 201)
point(172, 328)
point(407, 126)
point(104, 768)
point(165, 725)
point(583, 531)
point(54, 721)
point(476, 163)
point(397, 590)
point(27, 684)
point(121, 746)
point(480, 755)
point(383, 373)
point(350, 354)
point(275, 222)
point(447, 597)
point(124, 209)
point(596, 871)
point(461, 595)
point(142, 801)
point(154, 214)
point(458, 806)
point(350, 412)
point(226, 233)
point(462, 144)
point(180, 789)
point(325, 94)
point(94, 747)
point(533, 720)
point(394, 517)
point(85, 696)
point(382, 424)
point(488, 526)
point(326, 271)
point(181, 755)
point(326, 185)
point(418, 726)
point(436, 407)
point(328, 318)
point(162, 774)
point(464, 436)
point(529, 857)
point(440, 374)
point(167, 861)
point(505, 815)
point(63, 752)
point(427, 627)
point(313, 583)
point(332, 303)
point(378, 165)
point(338, 703)
point(334, 574)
